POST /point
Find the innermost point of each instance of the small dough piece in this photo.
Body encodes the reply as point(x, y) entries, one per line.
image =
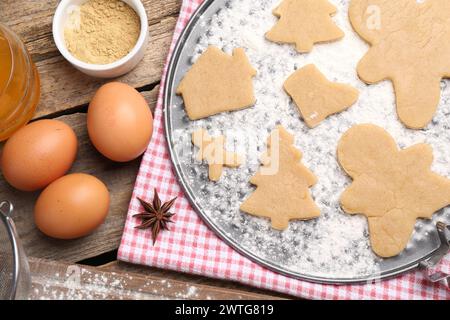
point(213, 151)
point(218, 83)
point(391, 187)
point(304, 23)
point(283, 184)
point(410, 46)
point(316, 97)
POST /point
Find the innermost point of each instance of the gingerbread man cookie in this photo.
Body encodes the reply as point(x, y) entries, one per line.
point(316, 97)
point(218, 83)
point(283, 184)
point(391, 187)
point(304, 23)
point(409, 46)
point(213, 151)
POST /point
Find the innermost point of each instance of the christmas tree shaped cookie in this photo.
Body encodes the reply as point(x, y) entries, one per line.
point(410, 45)
point(217, 83)
point(283, 183)
point(212, 149)
point(304, 23)
point(391, 187)
point(316, 97)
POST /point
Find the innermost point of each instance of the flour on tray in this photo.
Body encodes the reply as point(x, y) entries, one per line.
point(335, 245)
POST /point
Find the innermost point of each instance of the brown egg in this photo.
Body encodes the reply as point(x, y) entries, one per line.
point(38, 154)
point(72, 206)
point(119, 121)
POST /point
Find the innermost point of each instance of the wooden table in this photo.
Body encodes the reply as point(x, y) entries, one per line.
point(65, 96)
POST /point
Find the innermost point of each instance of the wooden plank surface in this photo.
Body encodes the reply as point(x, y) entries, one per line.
point(65, 95)
point(66, 92)
point(62, 87)
point(56, 280)
point(120, 266)
point(119, 179)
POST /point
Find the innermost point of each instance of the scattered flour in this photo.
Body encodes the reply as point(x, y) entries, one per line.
point(335, 245)
point(84, 284)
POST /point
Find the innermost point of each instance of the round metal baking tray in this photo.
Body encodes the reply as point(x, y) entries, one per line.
point(175, 118)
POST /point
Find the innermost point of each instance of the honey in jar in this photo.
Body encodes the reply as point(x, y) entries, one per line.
point(19, 84)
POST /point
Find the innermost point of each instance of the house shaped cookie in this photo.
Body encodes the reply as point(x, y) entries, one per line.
point(217, 83)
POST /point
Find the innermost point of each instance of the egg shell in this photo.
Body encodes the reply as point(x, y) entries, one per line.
point(72, 206)
point(38, 154)
point(119, 121)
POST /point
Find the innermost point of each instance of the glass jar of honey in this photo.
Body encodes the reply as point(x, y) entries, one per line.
point(19, 84)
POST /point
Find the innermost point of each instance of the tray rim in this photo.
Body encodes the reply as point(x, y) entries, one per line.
point(167, 89)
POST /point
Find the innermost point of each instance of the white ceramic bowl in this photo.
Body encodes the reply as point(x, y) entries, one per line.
point(111, 70)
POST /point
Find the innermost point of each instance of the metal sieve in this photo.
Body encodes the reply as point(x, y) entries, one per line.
point(15, 280)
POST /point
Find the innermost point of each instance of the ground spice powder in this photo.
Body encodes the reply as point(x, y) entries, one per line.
point(102, 31)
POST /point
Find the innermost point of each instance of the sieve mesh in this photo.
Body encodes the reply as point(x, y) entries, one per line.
point(7, 257)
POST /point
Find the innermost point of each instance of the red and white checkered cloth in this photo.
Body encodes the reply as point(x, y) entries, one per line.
point(192, 247)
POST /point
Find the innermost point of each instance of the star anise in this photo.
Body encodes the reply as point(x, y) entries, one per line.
point(156, 215)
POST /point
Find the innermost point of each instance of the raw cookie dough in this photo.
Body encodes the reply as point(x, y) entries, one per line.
point(283, 184)
point(391, 187)
point(217, 83)
point(410, 45)
point(304, 23)
point(316, 97)
point(213, 151)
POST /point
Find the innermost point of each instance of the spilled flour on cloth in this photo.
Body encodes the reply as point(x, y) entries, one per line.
point(336, 245)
